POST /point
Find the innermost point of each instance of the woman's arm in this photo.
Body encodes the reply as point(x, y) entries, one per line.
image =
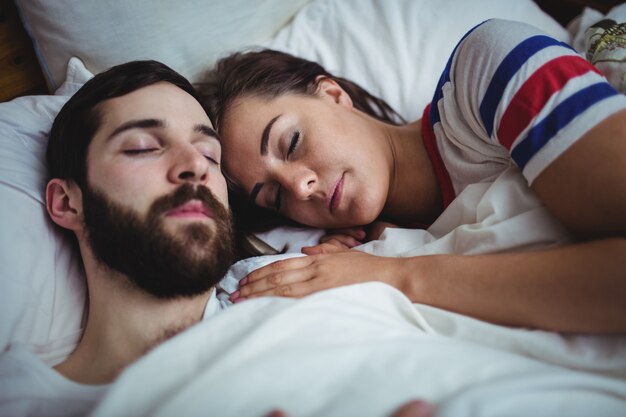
point(585, 187)
point(574, 288)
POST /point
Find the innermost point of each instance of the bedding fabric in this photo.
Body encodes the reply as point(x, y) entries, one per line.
point(363, 350)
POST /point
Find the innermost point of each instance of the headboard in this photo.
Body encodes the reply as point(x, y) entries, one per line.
point(565, 10)
point(20, 73)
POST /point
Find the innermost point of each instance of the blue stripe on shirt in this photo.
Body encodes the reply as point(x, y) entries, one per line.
point(507, 70)
point(560, 117)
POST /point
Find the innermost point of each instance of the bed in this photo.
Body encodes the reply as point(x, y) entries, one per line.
point(357, 350)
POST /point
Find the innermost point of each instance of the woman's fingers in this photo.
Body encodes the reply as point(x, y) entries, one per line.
point(273, 279)
point(279, 283)
point(340, 240)
point(415, 408)
point(357, 232)
point(278, 267)
point(297, 277)
point(295, 290)
point(323, 248)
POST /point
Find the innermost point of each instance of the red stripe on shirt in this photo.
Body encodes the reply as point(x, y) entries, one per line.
point(430, 143)
point(535, 93)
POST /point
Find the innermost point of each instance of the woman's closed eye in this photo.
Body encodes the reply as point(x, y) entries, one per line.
point(293, 144)
point(295, 138)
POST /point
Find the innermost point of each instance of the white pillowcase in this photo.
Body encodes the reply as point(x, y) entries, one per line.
point(396, 49)
point(43, 289)
point(186, 35)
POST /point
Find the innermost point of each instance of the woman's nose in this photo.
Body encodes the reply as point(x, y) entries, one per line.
point(301, 183)
point(189, 165)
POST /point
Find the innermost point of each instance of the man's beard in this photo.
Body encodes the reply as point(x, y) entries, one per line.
point(160, 262)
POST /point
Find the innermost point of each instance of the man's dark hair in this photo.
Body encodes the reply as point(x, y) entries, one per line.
point(79, 119)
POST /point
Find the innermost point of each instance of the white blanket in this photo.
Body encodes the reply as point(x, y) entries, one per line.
point(365, 349)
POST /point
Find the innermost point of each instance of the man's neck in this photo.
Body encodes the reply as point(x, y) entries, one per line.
point(123, 324)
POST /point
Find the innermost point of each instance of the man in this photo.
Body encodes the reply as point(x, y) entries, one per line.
point(135, 176)
point(134, 166)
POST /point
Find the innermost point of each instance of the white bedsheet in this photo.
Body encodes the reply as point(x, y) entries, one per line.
point(363, 350)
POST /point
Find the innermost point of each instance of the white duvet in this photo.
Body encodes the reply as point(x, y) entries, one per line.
point(363, 350)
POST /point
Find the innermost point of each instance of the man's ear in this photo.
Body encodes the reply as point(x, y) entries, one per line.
point(329, 88)
point(64, 203)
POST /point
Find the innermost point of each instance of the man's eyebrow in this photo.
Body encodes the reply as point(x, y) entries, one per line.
point(265, 137)
point(206, 131)
point(137, 124)
point(255, 191)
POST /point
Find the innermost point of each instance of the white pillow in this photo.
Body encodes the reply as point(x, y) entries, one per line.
point(43, 289)
point(397, 49)
point(186, 35)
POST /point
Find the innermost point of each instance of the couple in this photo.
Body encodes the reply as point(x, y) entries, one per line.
point(134, 162)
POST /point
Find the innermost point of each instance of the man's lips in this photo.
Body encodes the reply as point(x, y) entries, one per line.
point(335, 196)
point(191, 209)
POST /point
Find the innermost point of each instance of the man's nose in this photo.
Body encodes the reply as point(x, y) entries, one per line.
point(188, 165)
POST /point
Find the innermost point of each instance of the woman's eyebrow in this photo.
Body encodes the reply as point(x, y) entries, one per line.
point(265, 137)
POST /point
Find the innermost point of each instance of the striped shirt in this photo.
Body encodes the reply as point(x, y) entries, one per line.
point(510, 95)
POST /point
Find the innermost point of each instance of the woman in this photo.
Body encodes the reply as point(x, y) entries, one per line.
point(320, 151)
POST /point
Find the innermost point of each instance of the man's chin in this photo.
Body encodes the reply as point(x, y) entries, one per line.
point(191, 235)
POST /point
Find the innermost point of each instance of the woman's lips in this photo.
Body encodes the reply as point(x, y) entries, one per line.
point(335, 196)
point(191, 209)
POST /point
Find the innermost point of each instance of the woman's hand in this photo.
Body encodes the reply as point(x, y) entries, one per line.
point(414, 408)
point(349, 237)
point(334, 267)
point(345, 238)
